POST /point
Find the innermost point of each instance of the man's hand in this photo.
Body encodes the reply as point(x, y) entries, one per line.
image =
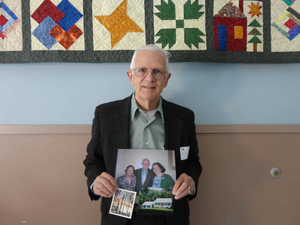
point(183, 186)
point(105, 185)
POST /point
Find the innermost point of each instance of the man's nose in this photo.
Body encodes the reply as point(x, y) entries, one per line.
point(150, 75)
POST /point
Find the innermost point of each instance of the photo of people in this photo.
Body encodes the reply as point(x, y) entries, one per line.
point(128, 180)
point(145, 168)
point(161, 179)
point(151, 174)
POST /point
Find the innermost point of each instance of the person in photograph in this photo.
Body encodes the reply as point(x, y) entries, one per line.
point(128, 180)
point(144, 175)
point(143, 120)
point(161, 179)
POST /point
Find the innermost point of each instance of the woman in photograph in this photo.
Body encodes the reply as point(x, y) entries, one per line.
point(128, 180)
point(161, 179)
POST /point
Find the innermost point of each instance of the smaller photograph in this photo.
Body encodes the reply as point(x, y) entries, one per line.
point(123, 203)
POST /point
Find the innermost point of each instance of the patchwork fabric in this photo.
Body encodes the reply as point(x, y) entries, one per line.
point(180, 25)
point(235, 31)
point(238, 26)
point(119, 25)
point(285, 17)
point(57, 25)
point(10, 26)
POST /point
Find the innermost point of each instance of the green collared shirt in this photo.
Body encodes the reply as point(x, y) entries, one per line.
point(146, 133)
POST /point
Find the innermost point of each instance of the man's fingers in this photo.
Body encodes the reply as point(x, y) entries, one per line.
point(183, 186)
point(182, 183)
point(102, 191)
point(108, 179)
point(105, 185)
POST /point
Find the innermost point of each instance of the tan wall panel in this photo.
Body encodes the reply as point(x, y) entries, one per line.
point(236, 187)
point(42, 179)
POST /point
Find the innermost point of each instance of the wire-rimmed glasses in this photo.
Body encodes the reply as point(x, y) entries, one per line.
point(143, 72)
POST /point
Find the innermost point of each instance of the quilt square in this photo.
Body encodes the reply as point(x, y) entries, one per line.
point(238, 25)
point(57, 25)
point(11, 37)
point(179, 25)
point(285, 25)
point(119, 25)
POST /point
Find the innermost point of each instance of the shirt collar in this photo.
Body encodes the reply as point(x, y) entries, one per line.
point(135, 108)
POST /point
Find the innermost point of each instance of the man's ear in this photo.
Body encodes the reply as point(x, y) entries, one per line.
point(130, 75)
point(167, 79)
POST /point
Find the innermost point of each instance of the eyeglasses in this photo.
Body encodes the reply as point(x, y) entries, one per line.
point(143, 72)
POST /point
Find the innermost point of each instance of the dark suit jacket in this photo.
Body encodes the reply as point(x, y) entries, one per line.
point(148, 181)
point(111, 131)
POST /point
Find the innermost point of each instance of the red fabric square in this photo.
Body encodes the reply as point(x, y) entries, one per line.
point(47, 8)
point(3, 20)
point(2, 35)
point(66, 39)
point(290, 23)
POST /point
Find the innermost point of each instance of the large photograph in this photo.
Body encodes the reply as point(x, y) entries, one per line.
point(151, 174)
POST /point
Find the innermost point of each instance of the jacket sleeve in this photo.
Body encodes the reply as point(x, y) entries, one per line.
point(193, 166)
point(94, 161)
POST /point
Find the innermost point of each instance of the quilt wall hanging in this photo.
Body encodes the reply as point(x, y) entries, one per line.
point(239, 31)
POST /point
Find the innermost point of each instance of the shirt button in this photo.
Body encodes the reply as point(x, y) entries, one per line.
point(147, 143)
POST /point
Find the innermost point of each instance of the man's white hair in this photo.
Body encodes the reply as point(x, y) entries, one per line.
point(151, 47)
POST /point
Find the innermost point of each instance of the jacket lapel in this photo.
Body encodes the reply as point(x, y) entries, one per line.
point(173, 133)
point(173, 127)
point(120, 124)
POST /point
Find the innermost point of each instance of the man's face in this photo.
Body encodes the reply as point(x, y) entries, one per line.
point(148, 89)
point(145, 164)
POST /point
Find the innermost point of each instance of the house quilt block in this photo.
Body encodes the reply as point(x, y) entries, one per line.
point(238, 26)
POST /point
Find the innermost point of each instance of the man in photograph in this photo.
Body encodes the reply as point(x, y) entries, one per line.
point(144, 120)
point(144, 175)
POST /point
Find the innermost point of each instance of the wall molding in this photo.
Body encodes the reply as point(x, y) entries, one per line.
point(248, 128)
point(200, 129)
point(46, 129)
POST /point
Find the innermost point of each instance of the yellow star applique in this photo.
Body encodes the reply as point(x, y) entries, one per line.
point(255, 9)
point(118, 23)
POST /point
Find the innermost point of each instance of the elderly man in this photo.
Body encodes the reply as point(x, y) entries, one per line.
point(143, 120)
point(143, 175)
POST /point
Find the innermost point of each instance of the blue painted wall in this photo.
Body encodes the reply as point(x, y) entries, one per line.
point(67, 93)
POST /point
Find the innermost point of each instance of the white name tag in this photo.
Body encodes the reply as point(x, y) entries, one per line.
point(184, 152)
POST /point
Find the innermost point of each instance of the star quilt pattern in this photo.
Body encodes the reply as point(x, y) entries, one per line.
point(233, 31)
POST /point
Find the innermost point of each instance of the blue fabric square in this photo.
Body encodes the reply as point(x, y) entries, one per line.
point(42, 32)
point(72, 15)
point(9, 12)
point(294, 32)
point(222, 37)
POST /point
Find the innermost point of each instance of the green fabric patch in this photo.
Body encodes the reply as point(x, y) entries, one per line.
point(167, 36)
point(191, 10)
point(179, 23)
point(191, 37)
point(167, 10)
